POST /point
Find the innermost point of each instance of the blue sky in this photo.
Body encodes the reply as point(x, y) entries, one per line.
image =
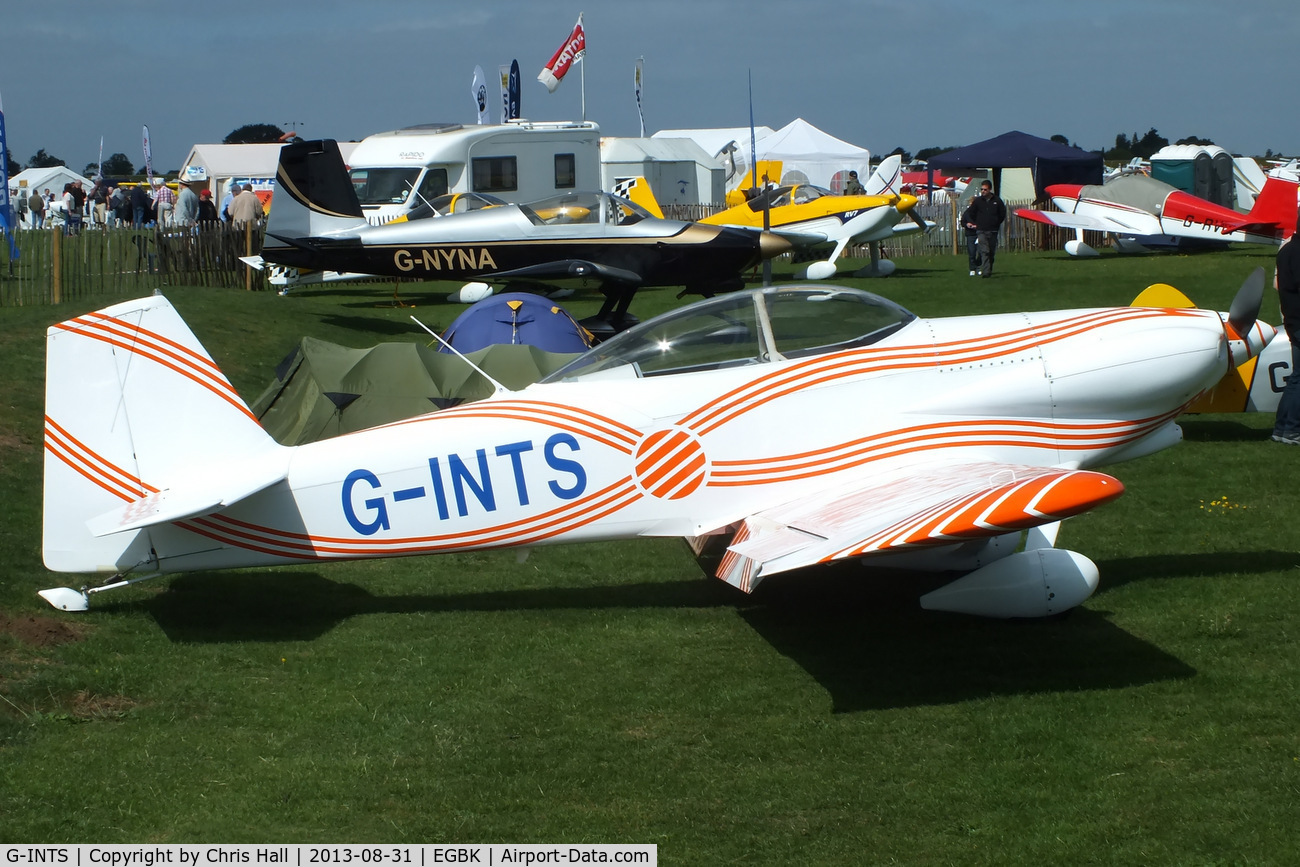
point(878, 74)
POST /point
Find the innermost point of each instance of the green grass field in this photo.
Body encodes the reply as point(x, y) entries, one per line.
point(611, 693)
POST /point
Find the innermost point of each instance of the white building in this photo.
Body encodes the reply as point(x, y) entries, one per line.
point(679, 171)
point(215, 166)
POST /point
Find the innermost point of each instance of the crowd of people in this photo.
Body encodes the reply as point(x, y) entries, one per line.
point(133, 206)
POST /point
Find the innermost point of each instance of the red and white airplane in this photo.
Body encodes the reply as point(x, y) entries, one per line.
point(792, 425)
point(1140, 212)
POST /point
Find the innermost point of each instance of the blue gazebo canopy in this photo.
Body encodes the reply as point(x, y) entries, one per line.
point(1050, 162)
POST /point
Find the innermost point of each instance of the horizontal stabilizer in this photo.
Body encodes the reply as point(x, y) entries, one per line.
point(196, 498)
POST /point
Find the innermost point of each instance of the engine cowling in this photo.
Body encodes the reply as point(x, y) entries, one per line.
point(1036, 583)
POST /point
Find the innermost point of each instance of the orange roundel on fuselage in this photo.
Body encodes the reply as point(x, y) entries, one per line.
point(670, 464)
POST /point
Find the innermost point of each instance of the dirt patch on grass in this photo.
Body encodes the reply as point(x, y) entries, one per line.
point(41, 631)
point(85, 705)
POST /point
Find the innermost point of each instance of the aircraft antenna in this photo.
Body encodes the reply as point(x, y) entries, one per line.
point(753, 163)
point(419, 195)
point(498, 386)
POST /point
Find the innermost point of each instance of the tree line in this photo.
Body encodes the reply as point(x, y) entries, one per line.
point(120, 165)
point(1124, 149)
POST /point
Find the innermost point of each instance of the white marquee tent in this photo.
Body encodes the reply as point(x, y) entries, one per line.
point(807, 154)
point(50, 178)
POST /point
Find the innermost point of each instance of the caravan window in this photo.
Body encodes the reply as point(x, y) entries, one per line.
point(383, 186)
point(495, 174)
point(566, 171)
point(433, 184)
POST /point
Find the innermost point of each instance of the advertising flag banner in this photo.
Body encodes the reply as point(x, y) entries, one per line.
point(504, 72)
point(148, 158)
point(6, 212)
point(513, 90)
point(639, 112)
point(478, 89)
point(572, 51)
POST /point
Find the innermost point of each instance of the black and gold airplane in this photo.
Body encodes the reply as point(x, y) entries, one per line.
point(574, 240)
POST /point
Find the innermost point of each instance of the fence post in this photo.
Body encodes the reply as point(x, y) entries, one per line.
point(56, 265)
point(956, 227)
point(248, 251)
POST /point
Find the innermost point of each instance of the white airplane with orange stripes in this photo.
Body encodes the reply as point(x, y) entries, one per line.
point(790, 426)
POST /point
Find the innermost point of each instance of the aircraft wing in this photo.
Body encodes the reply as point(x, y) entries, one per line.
point(942, 506)
point(564, 270)
point(796, 233)
point(801, 238)
point(1076, 221)
point(911, 226)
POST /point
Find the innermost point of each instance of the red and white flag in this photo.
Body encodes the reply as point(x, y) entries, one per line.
point(573, 50)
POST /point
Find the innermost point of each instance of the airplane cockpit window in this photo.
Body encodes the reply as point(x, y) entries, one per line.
point(828, 318)
point(584, 208)
point(565, 209)
point(743, 328)
point(805, 193)
point(719, 332)
point(773, 197)
point(453, 203)
point(390, 186)
point(624, 212)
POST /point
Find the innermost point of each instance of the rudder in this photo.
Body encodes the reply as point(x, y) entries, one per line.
point(1276, 204)
point(314, 195)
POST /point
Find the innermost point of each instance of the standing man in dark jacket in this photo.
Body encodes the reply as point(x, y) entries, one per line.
point(985, 215)
point(968, 223)
point(1286, 427)
point(140, 206)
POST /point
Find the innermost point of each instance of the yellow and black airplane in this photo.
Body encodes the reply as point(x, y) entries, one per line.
point(819, 223)
point(575, 240)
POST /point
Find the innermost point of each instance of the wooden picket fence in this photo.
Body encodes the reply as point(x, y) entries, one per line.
point(1018, 234)
point(53, 267)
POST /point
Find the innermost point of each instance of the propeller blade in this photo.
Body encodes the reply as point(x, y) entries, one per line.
point(1245, 306)
point(917, 218)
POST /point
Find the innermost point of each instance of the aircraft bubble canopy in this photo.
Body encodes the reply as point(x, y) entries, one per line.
point(750, 327)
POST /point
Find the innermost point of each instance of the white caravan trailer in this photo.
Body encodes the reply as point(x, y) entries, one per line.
point(519, 161)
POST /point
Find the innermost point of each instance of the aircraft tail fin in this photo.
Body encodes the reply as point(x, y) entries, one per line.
point(886, 179)
point(130, 397)
point(637, 190)
point(314, 195)
point(1276, 205)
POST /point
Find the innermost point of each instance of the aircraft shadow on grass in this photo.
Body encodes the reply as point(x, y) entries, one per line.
point(1213, 431)
point(370, 324)
point(863, 639)
point(1127, 570)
